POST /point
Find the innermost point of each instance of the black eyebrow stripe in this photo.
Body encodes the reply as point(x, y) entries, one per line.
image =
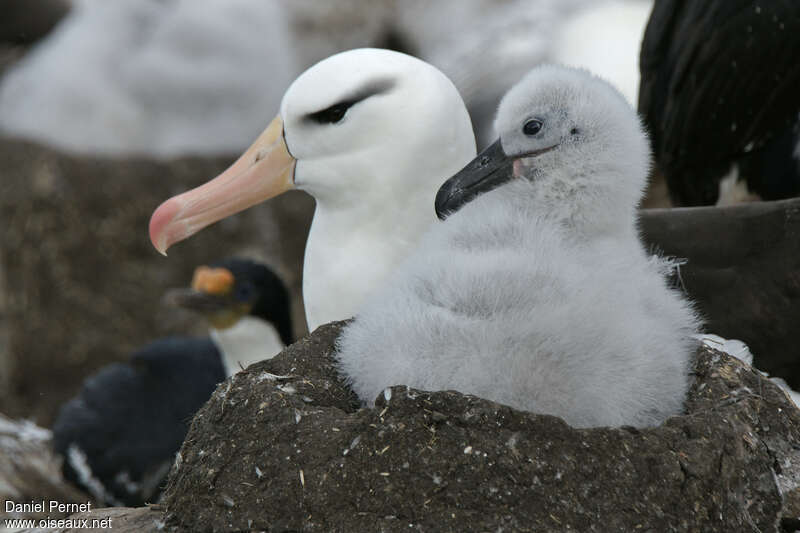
point(372, 88)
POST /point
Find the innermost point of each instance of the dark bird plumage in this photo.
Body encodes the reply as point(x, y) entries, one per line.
point(720, 85)
point(120, 434)
point(130, 418)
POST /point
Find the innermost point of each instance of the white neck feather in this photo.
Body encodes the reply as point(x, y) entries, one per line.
point(349, 253)
point(245, 343)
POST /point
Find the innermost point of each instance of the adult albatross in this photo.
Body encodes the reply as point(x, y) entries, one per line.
point(371, 134)
point(538, 294)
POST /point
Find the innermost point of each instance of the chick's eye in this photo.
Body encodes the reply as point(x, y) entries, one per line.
point(532, 127)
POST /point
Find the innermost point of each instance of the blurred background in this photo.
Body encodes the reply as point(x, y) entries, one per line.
point(108, 108)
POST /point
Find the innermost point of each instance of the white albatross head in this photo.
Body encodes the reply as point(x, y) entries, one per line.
point(570, 144)
point(371, 134)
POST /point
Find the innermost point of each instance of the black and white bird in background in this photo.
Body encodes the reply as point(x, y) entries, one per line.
point(120, 434)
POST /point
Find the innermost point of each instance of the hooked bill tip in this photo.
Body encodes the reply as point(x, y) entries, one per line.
point(443, 198)
point(160, 225)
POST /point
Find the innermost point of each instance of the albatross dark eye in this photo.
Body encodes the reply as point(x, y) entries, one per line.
point(332, 114)
point(532, 127)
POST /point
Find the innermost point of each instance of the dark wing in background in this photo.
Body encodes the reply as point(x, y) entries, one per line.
point(130, 419)
point(720, 81)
